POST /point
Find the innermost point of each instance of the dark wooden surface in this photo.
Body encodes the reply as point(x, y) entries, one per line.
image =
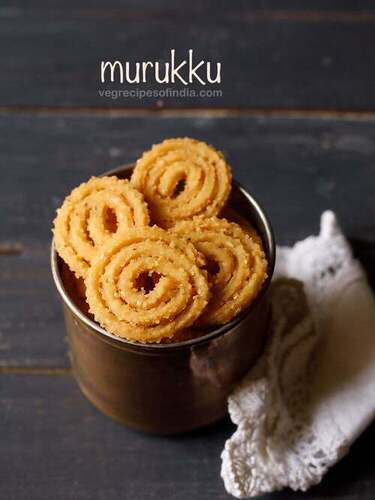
point(274, 54)
point(297, 122)
point(57, 446)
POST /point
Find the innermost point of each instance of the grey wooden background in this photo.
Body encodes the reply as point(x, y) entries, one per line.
point(297, 122)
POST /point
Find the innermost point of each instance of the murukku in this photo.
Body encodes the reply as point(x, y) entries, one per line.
point(232, 215)
point(182, 178)
point(91, 215)
point(235, 262)
point(146, 284)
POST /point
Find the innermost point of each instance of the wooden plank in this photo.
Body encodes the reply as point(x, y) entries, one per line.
point(272, 56)
point(56, 445)
point(295, 167)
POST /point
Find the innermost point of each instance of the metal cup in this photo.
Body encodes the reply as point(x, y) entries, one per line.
point(175, 387)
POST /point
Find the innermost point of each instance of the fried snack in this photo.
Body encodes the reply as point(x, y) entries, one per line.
point(146, 285)
point(233, 216)
point(235, 262)
point(181, 178)
point(91, 215)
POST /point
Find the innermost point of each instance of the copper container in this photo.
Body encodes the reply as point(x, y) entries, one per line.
point(169, 388)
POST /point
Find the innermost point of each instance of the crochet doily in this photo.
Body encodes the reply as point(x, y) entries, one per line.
point(295, 411)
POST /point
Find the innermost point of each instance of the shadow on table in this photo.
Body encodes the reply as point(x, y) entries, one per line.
point(364, 251)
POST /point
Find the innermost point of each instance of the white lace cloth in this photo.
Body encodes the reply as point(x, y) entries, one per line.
point(313, 391)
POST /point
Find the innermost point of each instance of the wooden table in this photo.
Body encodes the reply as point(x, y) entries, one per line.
point(297, 121)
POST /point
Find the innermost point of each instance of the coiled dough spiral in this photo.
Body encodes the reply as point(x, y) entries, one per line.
point(91, 215)
point(117, 293)
point(235, 262)
point(181, 178)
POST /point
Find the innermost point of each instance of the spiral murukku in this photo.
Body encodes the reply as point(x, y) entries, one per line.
point(232, 215)
point(182, 178)
point(91, 215)
point(235, 262)
point(146, 285)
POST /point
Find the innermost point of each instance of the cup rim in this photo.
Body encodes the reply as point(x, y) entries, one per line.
point(213, 333)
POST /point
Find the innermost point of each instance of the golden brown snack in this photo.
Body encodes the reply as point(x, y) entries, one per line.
point(91, 215)
point(235, 261)
point(146, 285)
point(181, 178)
point(232, 215)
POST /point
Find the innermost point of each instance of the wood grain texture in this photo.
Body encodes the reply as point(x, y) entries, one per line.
point(58, 446)
point(296, 168)
point(273, 56)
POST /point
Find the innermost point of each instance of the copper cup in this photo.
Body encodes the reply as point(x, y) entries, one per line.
point(176, 387)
